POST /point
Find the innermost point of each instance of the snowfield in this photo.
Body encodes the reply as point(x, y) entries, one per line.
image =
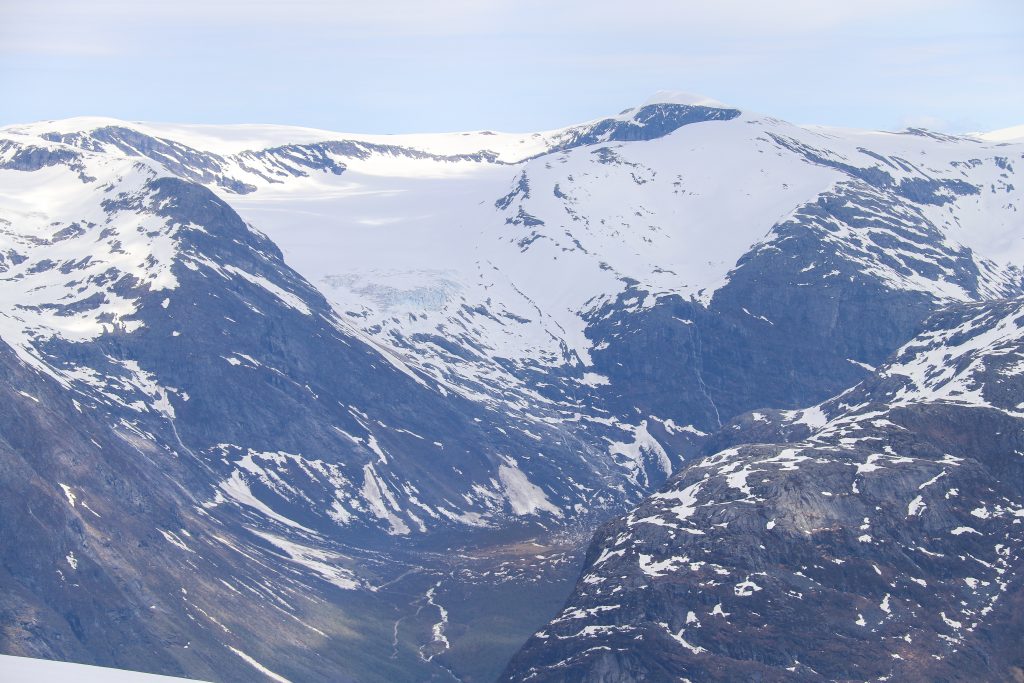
point(27, 670)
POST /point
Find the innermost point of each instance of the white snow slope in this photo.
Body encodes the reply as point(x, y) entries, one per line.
point(27, 670)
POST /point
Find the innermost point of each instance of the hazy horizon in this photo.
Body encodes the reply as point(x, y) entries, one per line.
point(404, 67)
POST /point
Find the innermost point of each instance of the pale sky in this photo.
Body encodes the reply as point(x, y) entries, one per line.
point(386, 66)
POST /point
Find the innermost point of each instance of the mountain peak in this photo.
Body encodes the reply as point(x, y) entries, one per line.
point(680, 97)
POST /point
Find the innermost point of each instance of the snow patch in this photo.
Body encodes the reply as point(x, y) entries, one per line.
point(524, 497)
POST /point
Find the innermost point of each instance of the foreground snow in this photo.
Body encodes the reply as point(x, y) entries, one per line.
point(27, 670)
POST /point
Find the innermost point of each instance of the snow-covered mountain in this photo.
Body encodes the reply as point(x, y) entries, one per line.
point(329, 371)
point(876, 536)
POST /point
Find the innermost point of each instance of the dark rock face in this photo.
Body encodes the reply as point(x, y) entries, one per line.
point(28, 158)
point(882, 542)
point(923, 190)
point(647, 123)
point(135, 572)
point(801, 318)
point(300, 383)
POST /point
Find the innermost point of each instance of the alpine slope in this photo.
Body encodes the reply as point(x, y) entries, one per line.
point(376, 392)
point(875, 536)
